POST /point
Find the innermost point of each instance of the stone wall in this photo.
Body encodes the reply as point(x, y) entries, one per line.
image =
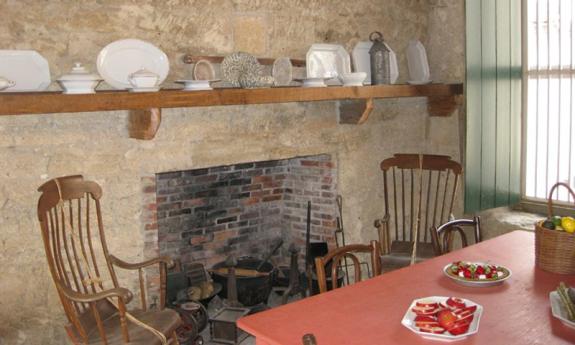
point(35, 148)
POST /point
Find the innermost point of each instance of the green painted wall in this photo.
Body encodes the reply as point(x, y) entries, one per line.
point(493, 93)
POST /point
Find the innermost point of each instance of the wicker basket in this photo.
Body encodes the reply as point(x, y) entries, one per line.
point(554, 250)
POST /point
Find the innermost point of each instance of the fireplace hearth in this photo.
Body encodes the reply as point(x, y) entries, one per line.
point(206, 215)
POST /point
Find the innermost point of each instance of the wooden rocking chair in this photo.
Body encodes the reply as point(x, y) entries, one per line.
point(71, 222)
point(419, 193)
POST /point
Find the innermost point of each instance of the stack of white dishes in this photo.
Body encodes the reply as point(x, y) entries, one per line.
point(327, 61)
point(353, 79)
point(197, 85)
point(417, 63)
point(130, 57)
point(361, 61)
point(24, 70)
point(313, 82)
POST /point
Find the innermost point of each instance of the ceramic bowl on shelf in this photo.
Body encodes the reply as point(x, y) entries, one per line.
point(143, 79)
point(313, 82)
point(79, 81)
point(353, 79)
point(196, 85)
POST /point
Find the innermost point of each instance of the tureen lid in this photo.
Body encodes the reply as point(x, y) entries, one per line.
point(79, 72)
point(142, 72)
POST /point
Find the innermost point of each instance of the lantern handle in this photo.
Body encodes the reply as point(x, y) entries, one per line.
point(378, 38)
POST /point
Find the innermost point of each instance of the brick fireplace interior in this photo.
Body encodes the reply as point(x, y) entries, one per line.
point(205, 215)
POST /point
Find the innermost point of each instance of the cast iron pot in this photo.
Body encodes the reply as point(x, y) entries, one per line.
point(251, 290)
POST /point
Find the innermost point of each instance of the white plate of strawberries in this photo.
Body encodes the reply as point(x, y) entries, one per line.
point(443, 318)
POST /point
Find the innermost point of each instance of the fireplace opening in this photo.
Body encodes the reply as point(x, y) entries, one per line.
point(207, 216)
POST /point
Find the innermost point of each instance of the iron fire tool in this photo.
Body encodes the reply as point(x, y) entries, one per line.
point(308, 261)
point(294, 285)
point(339, 230)
point(232, 300)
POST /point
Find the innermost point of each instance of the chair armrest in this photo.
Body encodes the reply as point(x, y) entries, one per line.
point(382, 225)
point(75, 296)
point(134, 266)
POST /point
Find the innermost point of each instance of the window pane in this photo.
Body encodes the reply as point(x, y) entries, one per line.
point(549, 124)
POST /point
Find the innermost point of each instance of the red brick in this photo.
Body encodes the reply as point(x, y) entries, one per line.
point(250, 201)
point(264, 178)
point(194, 202)
point(224, 235)
point(151, 226)
point(252, 187)
point(271, 198)
point(309, 163)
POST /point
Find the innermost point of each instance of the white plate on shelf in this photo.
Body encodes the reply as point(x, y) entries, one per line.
point(361, 61)
point(558, 310)
point(417, 63)
point(282, 71)
point(197, 85)
point(327, 61)
point(144, 89)
point(409, 317)
point(313, 82)
point(26, 68)
point(418, 82)
point(121, 58)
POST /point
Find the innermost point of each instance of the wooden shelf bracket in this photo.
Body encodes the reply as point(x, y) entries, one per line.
point(354, 112)
point(144, 124)
point(442, 105)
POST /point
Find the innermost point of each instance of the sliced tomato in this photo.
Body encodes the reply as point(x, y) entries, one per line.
point(424, 310)
point(424, 318)
point(461, 329)
point(446, 318)
point(467, 317)
point(465, 311)
point(455, 302)
point(432, 329)
point(427, 305)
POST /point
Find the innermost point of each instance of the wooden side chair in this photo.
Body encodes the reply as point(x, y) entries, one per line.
point(419, 192)
point(83, 271)
point(334, 259)
point(443, 236)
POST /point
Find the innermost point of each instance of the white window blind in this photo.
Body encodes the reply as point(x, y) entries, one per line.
point(549, 146)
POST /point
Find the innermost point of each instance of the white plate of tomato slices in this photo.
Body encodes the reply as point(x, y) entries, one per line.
point(443, 318)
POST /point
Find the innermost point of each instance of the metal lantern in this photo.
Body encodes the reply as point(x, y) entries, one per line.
point(379, 60)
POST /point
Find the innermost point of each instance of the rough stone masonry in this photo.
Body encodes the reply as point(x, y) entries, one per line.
point(34, 148)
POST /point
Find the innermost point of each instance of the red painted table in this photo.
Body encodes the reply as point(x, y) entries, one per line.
point(370, 312)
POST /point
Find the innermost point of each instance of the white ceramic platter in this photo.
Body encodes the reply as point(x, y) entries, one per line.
point(26, 68)
point(409, 323)
point(558, 310)
point(417, 63)
point(327, 61)
point(121, 58)
point(503, 272)
point(361, 61)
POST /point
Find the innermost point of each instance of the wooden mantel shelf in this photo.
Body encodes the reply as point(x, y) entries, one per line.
point(442, 99)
